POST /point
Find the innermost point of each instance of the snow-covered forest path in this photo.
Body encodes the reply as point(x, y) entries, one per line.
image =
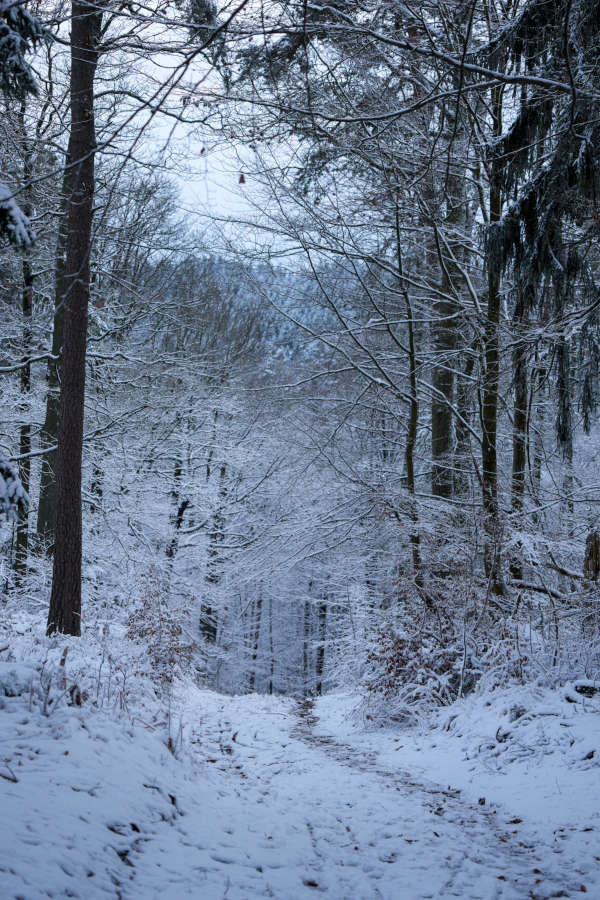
point(436, 844)
point(264, 806)
point(301, 814)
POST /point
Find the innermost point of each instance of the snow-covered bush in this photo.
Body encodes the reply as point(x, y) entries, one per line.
point(410, 670)
point(46, 682)
point(419, 663)
point(446, 641)
point(101, 670)
point(14, 224)
point(153, 626)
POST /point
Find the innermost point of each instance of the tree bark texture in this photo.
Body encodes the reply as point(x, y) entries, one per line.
point(442, 380)
point(320, 660)
point(519, 455)
point(447, 322)
point(46, 518)
point(464, 407)
point(65, 601)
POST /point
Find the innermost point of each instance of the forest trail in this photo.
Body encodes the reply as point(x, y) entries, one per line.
point(468, 846)
point(257, 804)
point(312, 816)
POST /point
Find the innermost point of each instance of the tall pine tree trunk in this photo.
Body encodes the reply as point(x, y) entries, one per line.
point(65, 601)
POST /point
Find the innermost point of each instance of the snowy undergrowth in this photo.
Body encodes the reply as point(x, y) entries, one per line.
point(529, 723)
point(86, 759)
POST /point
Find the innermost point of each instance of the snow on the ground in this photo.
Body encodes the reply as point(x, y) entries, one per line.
point(259, 801)
point(529, 754)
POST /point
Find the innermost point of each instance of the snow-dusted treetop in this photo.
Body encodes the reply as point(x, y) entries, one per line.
point(13, 498)
point(14, 224)
point(19, 31)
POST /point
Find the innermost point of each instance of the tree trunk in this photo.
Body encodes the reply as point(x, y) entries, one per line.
point(591, 563)
point(65, 601)
point(519, 428)
point(46, 517)
point(564, 426)
point(214, 564)
point(271, 650)
point(489, 414)
point(411, 442)
point(535, 422)
point(307, 672)
point(182, 504)
point(22, 539)
point(320, 662)
point(446, 327)
point(255, 641)
point(413, 415)
point(519, 459)
point(464, 407)
point(442, 380)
